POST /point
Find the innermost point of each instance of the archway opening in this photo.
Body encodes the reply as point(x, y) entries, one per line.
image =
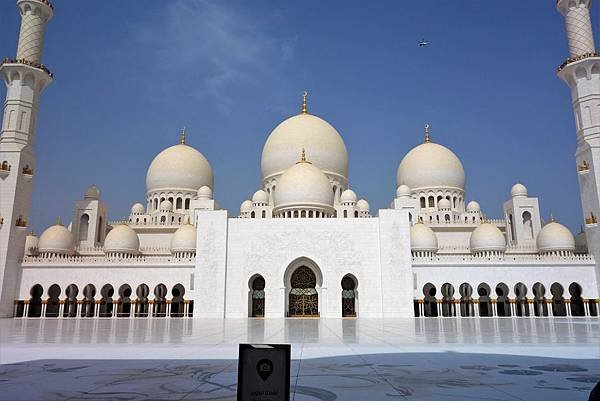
point(521, 301)
point(303, 296)
point(448, 307)
point(485, 302)
point(53, 302)
point(160, 301)
point(502, 300)
point(88, 307)
point(577, 308)
point(106, 301)
point(124, 302)
point(559, 307)
point(540, 308)
point(466, 300)
point(35, 302)
point(71, 301)
point(430, 302)
point(177, 302)
point(348, 296)
point(141, 303)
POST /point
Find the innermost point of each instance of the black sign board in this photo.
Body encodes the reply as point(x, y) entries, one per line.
point(264, 372)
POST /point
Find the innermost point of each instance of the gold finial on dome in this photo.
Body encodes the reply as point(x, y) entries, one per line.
point(58, 222)
point(303, 157)
point(552, 219)
point(304, 108)
point(183, 136)
point(427, 139)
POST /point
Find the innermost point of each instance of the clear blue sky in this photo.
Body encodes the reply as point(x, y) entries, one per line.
point(130, 74)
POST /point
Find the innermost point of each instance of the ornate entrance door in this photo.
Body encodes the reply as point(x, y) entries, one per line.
point(303, 298)
point(258, 297)
point(348, 297)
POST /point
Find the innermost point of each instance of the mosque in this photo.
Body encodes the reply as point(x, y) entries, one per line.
point(304, 244)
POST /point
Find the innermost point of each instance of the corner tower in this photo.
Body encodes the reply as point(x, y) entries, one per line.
point(25, 78)
point(581, 71)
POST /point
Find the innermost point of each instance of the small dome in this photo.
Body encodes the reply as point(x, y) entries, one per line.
point(555, 237)
point(138, 208)
point(444, 204)
point(31, 244)
point(92, 193)
point(518, 190)
point(179, 167)
point(348, 196)
point(473, 206)
point(184, 239)
point(260, 196)
point(322, 142)
point(303, 184)
point(165, 206)
point(122, 239)
point(56, 239)
point(430, 165)
point(204, 192)
point(422, 238)
point(580, 243)
point(403, 191)
point(246, 206)
point(487, 238)
point(363, 205)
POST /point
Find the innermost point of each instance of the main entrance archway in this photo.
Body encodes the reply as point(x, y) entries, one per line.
point(303, 296)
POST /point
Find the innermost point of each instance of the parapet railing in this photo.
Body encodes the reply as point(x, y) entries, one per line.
point(104, 259)
point(27, 62)
point(577, 58)
point(584, 259)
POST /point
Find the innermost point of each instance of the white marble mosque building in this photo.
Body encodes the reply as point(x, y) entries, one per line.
point(304, 244)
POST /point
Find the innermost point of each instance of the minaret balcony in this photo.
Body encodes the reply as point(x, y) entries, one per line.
point(591, 221)
point(577, 58)
point(23, 61)
point(21, 223)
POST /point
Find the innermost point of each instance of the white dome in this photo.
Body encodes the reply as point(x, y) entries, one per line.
point(403, 191)
point(518, 190)
point(303, 184)
point(348, 196)
point(204, 192)
point(165, 206)
point(363, 205)
point(246, 206)
point(260, 196)
point(487, 237)
point(122, 239)
point(422, 238)
point(473, 206)
point(138, 208)
point(31, 244)
point(555, 237)
point(56, 239)
point(179, 167)
point(444, 204)
point(322, 142)
point(430, 165)
point(92, 193)
point(184, 239)
point(580, 242)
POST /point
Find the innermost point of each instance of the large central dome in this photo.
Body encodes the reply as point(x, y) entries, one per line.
point(322, 142)
point(430, 165)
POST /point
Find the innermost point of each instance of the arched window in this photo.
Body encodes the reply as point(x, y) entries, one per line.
point(527, 225)
point(179, 204)
point(99, 230)
point(356, 213)
point(84, 224)
point(303, 213)
point(431, 201)
point(447, 218)
point(187, 204)
point(253, 215)
point(264, 214)
point(295, 213)
point(512, 227)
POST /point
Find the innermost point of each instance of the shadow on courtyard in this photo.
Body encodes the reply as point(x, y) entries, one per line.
point(399, 376)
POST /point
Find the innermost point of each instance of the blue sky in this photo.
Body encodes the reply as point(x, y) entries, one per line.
point(130, 74)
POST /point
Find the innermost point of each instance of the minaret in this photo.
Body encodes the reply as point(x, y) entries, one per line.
point(25, 79)
point(581, 71)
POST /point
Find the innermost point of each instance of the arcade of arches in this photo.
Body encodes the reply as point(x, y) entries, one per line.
point(481, 302)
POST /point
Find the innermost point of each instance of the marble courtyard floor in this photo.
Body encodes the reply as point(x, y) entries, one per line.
point(333, 359)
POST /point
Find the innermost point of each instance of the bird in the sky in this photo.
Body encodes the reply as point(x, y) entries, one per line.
point(423, 43)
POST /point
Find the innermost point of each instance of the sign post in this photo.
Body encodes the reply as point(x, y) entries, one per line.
point(264, 372)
